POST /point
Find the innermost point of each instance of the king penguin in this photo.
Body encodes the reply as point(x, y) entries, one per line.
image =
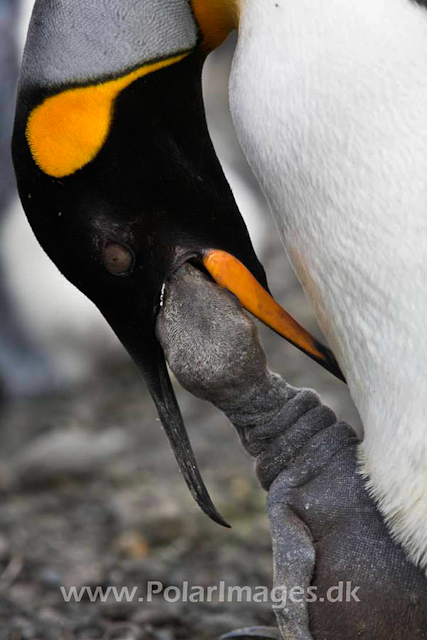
point(121, 185)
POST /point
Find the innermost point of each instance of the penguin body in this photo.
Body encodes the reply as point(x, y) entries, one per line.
point(335, 131)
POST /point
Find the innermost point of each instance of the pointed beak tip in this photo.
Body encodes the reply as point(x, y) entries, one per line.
point(329, 362)
point(217, 517)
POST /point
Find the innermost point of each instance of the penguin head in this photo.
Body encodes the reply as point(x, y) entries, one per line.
point(119, 178)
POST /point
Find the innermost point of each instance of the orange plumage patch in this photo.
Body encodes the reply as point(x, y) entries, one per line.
point(216, 18)
point(68, 130)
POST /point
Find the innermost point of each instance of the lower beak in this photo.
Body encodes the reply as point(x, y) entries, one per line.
point(230, 273)
point(160, 386)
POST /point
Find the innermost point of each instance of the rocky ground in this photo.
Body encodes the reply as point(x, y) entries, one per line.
point(90, 495)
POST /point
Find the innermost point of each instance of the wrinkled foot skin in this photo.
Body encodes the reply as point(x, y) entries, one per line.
point(249, 633)
point(341, 576)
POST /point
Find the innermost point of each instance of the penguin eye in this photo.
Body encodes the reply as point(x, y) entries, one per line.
point(118, 259)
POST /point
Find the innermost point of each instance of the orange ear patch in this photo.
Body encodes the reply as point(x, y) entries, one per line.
point(68, 130)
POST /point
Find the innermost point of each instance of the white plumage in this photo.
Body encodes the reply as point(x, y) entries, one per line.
point(336, 132)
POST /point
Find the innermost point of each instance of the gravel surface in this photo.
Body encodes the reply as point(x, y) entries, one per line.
point(91, 496)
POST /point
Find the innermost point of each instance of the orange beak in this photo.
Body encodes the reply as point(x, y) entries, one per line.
point(231, 274)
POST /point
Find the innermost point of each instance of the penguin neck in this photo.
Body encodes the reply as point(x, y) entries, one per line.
point(216, 19)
